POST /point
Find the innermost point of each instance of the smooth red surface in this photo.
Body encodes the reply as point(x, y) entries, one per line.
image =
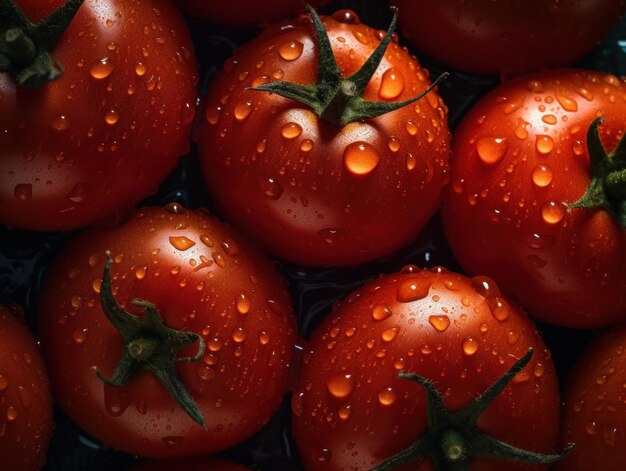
point(203, 278)
point(296, 195)
point(506, 36)
point(82, 147)
point(460, 333)
point(25, 398)
point(568, 267)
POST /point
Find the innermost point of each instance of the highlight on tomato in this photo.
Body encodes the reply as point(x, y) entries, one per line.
point(426, 369)
point(342, 162)
point(167, 336)
point(96, 104)
point(536, 198)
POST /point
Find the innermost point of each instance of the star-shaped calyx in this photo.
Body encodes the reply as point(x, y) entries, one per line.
point(451, 439)
point(149, 345)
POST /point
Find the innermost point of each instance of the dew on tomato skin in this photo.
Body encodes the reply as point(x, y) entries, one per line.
point(387, 397)
point(393, 144)
point(324, 456)
point(239, 334)
point(264, 337)
point(591, 428)
point(270, 187)
point(412, 290)
point(360, 158)
point(536, 261)
point(102, 68)
point(212, 114)
point(360, 37)
point(391, 84)
point(568, 103)
point(4, 382)
point(542, 176)
point(140, 69)
point(381, 312)
point(601, 380)
point(243, 304)
point(552, 212)
point(214, 344)
point(331, 235)
point(261, 80)
point(390, 334)
point(492, 150)
point(549, 119)
point(470, 346)
point(499, 308)
point(485, 286)
point(610, 436)
point(521, 130)
point(173, 441)
point(206, 240)
point(411, 161)
point(290, 50)
point(411, 127)
point(205, 372)
point(60, 123)
point(521, 377)
point(538, 241)
point(440, 323)
point(291, 130)
point(181, 242)
point(346, 16)
point(23, 191)
point(344, 412)
point(340, 385)
point(11, 413)
point(95, 285)
point(111, 117)
point(538, 370)
point(297, 403)
point(544, 144)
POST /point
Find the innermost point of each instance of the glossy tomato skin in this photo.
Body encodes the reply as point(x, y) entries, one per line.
point(25, 398)
point(110, 129)
point(351, 410)
point(244, 13)
point(203, 278)
point(308, 191)
point(595, 418)
point(519, 157)
point(194, 464)
point(506, 36)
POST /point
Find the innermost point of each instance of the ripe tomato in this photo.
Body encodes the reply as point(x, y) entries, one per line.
point(242, 13)
point(110, 128)
point(506, 36)
point(195, 464)
point(313, 192)
point(520, 157)
point(205, 281)
point(595, 418)
point(351, 410)
point(25, 399)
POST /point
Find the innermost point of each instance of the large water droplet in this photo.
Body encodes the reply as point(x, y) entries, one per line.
point(440, 323)
point(391, 84)
point(567, 102)
point(544, 144)
point(340, 385)
point(242, 110)
point(360, 158)
point(499, 307)
point(239, 334)
point(181, 242)
point(491, 150)
point(291, 130)
point(552, 212)
point(381, 312)
point(389, 334)
point(412, 290)
point(387, 396)
point(290, 50)
point(542, 175)
point(102, 68)
point(470, 346)
point(243, 304)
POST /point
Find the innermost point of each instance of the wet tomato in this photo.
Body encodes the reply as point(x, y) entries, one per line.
point(211, 304)
point(243, 13)
point(340, 172)
point(195, 464)
point(524, 157)
point(25, 398)
point(352, 410)
point(595, 413)
point(506, 36)
point(110, 128)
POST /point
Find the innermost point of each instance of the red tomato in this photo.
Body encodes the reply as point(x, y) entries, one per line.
point(595, 415)
point(196, 464)
point(351, 410)
point(309, 191)
point(242, 13)
point(204, 279)
point(110, 128)
point(506, 36)
point(25, 399)
point(520, 157)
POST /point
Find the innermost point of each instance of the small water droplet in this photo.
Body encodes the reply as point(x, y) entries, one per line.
point(140, 69)
point(591, 428)
point(23, 191)
point(214, 344)
point(387, 396)
point(411, 127)
point(360, 158)
point(270, 187)
point(331, 235)
point(264, 337)
point(412, 290)
point(111, 117)
point(60, 123)
point(11, 413)
point(290, 50)
point(567, 102)
point(390, 334)
point(340, 385)
point(291, 130)
point(344, 412)
point(80, 335)
point(141, 272)
point(411, 161)
point(499, 307)
point(181, 242)
point(102, 68)
point(76, 301)
point(520, 129)
point(243, 303)
point(324, 456)
point(173, 441)
point(491, 150)
point(381, 312)
point(391, 84)
point(440, 323)
point(239, 334)
point(542, 175)
point(242, 110)
point(470, 346)
point(552, 212)
point(306, 145)
point(549, 119)
point(539, 241)
point(544, 144)
point(393, 144)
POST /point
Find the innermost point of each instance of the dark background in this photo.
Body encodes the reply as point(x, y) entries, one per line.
point(25, 257)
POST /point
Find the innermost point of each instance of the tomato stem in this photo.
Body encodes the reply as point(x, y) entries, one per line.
point(149, 345)
point(25, 47)
point(335, 99)
point(452, 439)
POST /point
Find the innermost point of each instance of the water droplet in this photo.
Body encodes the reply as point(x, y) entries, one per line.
point(549, 119)
point(393, 144)
point(542, 175)
point(291, 130)
point(360, 37)
point(391, 84)
point(264, 337)
point(331, 235)
point(102, 68)
point(306, 145)
point(499, 307)
point(512, 336)
point(360, 158)
point(77, 194)
point(297, 403)
point(389, 334)
point(544, 144)
point(539, 370)
point(24, 396)
point(181, 242)
point(4, 382)
point(80, 335)
point(141, 272)
point(140, 69)
point(567, 102)
point(23, 191)
point(212, 114)
point(578, 147)
point(381, 312)
point(11, 413)
point(491, 150)
point(539, 241)
point(470, 346)
point(340, 385)
point(270, 187)
point(290, 50)
point(440, 323)
point(214, 344)
point(76, 301)
point(520, 129)
point(411, 127)
point(242, 110)
point(111, 117)
point(591, 428)
point(243, 303)
point(239, 334)
point(412, 290)
point(387, 396)
point(173, 441)
point(324, 456)
point(60, 123)
point(344, 412)
point(411, 161)
point(610, 435)
point(346, 16)
point(552, 212)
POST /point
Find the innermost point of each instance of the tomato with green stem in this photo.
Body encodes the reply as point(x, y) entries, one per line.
point(479, 399)
point(340, 163)
point(96, 105)
point(182, 346)
point(536, 199)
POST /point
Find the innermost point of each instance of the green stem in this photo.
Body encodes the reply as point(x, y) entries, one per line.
point(452, 445)
point(21, 48)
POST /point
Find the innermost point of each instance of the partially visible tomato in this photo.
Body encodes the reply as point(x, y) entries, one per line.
point(25, 398)
point(109, 130)
point(352, 411)
point(595, 406)
point(506, 36)
point(195, 464)
point(334, 190)
point(520, 158)
point(206, 282)
point(245, 13)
